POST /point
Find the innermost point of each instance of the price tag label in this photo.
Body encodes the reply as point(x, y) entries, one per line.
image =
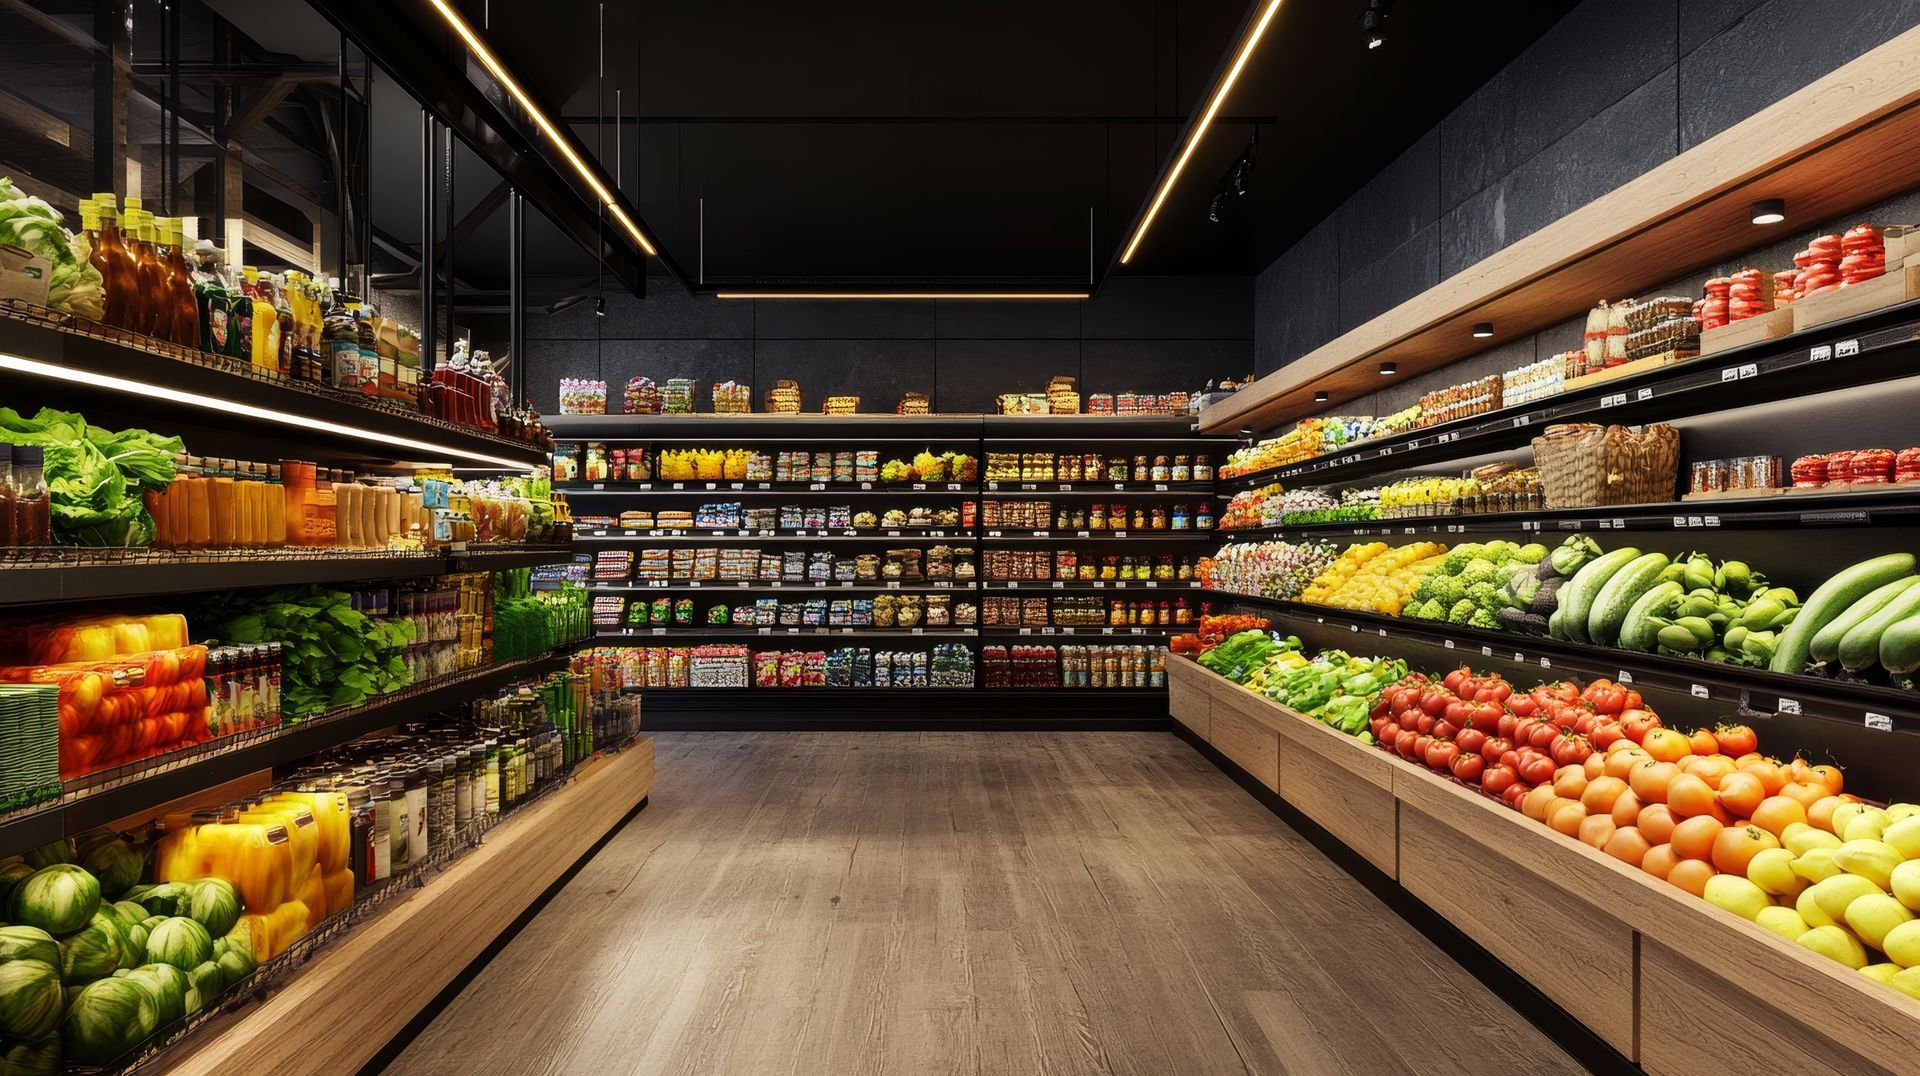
point(1519, 658)
point(1841, 350)
point(742, 583)
point(1546, 663)
point(919, 631)
point(765, 485)
point(1625, 677)
point(1159, 487)
point(816, 486)
point(893, 584)
point(599, 534)
point(993, 534)
point(1789, 706)
point(1013, 586)
point(1066, 631)
point(1522, 420)
point(1066, 487)
point(1486, 651)
point(1699, 691)
point(1098, 583)
point(793, 631)
point(766, 631)
point(1382, 632)
point(1043, 534)
point(1385, 452)
point(679, 485)
point(599, 485)
point(1083, 534)
point(1120, 584)
point(1448, 643)
point(1026, 631)
point(1106, 631)
point(659, 631)
point(1878, 722)
point(1818, 354)
point(1119, 534)
point(819, 582)
point(1643, 394)
point(1151, 583)
point(1028, 487)
point(1354, 628)
point(893, 534)
point(1058, 585)
point(919, 485)
point(713, 485)
point(695, 583)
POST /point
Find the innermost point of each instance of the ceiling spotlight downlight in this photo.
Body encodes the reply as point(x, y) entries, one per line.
point(230, 407)
point(1023, 296)
point(1373, 23)
point(1388, 369)
point(587, 174)
point(1482, 330)
point(1321, 397)
point(1199, 130)
point(1770, 211)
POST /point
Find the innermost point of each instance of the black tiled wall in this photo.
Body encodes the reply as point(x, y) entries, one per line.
point(1615, 88)
point(1142, 334)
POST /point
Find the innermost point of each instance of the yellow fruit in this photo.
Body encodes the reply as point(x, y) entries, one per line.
point(1772, 870)
point(1805, 906)
point(1904, 835)
point(1881, 973)
point(1783, 921)
point(1800, 838)
point(1906, 883)
point(1836, 943)
point(1834, 894)
point(1815, 865)
point(1737, 895)
point(1902, 944)
point(1844, 815)
point(1898, 811)
point(1872, 860)
point(1874, 916)
point(1907, 982)
point(1867, 825)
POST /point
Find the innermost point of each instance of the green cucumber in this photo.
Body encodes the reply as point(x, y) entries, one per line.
point(1860, 647)
point(1576, 598)
point(1677, 639)
point(1825, 646)
point(1900, 646)
point(1830, 600)
point(1643, 621)
point(1615, 600)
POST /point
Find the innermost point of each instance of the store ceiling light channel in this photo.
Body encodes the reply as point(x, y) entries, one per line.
point(230, 407)
point(499, 72)
point(1199, 129)
point(1019, 295)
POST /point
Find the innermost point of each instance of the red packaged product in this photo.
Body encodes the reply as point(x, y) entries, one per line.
point(1871, 465)
point(1862, 237)
point(1839, 466)
point(1906, 465)
point(1783, 287)
point(1715, 313)
point(1809, 471)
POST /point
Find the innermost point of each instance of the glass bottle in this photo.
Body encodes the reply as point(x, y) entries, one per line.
point(151, 315)
point(213, 299)
point(118, 274)
point(8, 496)
point(401, 850)
point(32, 505)
point(343, 345)
point(186, 307)
point(283, 328)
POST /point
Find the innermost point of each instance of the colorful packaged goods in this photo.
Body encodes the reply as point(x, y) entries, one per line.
point(1863, 255)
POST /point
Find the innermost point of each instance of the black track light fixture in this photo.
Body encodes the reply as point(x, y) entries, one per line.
point(1388, 369)
point(1374, 22)
point(1217, 209)
point(1482, 330)
point(1240, 178)
point(1321, 397)
point(1769, 211)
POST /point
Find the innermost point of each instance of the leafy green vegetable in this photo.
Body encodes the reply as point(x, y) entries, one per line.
point(95, 476)
point(335, 654)
point(74, 285)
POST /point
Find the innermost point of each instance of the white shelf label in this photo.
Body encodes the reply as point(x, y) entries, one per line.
point(1119, 534)
point(1789, 706)
point(1057, 584)
point(599, 485)
point(1546, 663)
point(1083, 534)
point(866, 485)
point(1878, 722)
point(1644, 394)
point(1159, 487)
point(1699, 691)
point(1841, 350)
point(893, 584)
point(1625, 677)
point(712, 485)
point(1449, 644)
point(1486, 651)
point(1818, 354)
point(1013, 586)
point(736, 485)
point(1043, 534)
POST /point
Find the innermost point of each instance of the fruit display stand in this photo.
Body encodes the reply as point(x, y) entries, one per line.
point(424, 942)
point(1669, 981)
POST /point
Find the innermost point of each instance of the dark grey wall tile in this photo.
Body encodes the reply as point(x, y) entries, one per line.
point(1399, 275)
point(669, 313)
point(576, 322)
point(1172, 308)
point(968, 319)
point(973, 373)
point(1570, 335)
point(878, 371)
point(1702, 19)
point(550, 360)
point(1300, 298)
point(1394, 206)
point(793, 319)
point(1613, 147)
point(1160, 365)
point(1600, 52)
point(707, 362)
point(1776, 49)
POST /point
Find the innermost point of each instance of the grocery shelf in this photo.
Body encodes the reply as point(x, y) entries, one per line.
point(502, 557)
point(1002, 488)
point(104, 797)
point(1874, 347)
point(1048, 586)
point(959, 709)
point(1100, 536)
point(1753, 691)
point(731, 586)
point(840, 534)
point(840, 633)
point(1098, 632)
point(703, 487)
point(107, 353)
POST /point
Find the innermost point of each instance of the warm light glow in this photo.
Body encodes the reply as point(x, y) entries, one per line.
point(230, 407)
point(499, 72)
point(1199, 129)
point(900, 295)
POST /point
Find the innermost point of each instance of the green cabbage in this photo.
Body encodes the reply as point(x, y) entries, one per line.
point(30, 223)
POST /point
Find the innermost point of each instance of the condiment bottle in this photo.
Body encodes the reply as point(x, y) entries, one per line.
point(32, 505)
point(8, 496)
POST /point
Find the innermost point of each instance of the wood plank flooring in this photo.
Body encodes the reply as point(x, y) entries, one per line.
point(907, 903)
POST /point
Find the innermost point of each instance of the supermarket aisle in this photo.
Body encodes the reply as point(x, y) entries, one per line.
point(947, 902)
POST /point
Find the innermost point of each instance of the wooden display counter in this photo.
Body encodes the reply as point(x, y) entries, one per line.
point(358, 994)
point(1670, 981)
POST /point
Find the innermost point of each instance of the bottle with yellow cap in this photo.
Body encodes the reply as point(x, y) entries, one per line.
point(118, 275)
point(186, 306)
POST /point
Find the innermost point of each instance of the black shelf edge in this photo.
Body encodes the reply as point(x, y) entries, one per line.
point(1100, 586)
point(501, 558)
point(1873, 347)
point(970, 709)
point(1098, 536)
point(775, 634)
point(762, 426)
point(1095, 633)
point(1757, 691)
point(211, 376)
point(159, 782)
point(1016, 489)
point(722, 487)
point(904, 534)
point(598, 586)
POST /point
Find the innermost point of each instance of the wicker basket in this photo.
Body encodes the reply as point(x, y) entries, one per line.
point(1583, 465)
point(784, 398)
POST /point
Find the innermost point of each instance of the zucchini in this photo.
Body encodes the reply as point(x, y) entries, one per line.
point(1825, 647)
point(1643, 621)
point(1615, 600)
point(1576, 597)
point(1830, 600)
point(1900, 646)
point(1860, 647)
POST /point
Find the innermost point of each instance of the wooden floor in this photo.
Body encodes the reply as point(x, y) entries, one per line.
point(906, 903)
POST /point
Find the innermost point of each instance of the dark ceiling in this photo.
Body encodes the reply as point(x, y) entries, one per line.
point(970, 143)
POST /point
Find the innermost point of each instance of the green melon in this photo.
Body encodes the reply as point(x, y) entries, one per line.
point(12, 874)
point(108, 1019)
point(115, 864)
point(58, 899)
point(168, 985)
point(95, 952)
point(181, 942)
point(214, 904)
point(41, 1058)
point(50, 853)
point(30, 999)
point(28, 943)
point(209, 980)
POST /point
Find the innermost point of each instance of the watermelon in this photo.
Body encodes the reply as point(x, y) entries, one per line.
point(28, 943)
point(168, 985)
point(108, 1019)
point(214, 904)
point(209, 980)
point(162, 899)
point(93, 953)
point(137, 939)
point(12, 873)
point(49, 854)
point(115, 864)
point(30, 999)
point(181, 942)
point(93, 838)
point(40, 1058)
point(236, 963)
point(130, 913)
point(58, 899)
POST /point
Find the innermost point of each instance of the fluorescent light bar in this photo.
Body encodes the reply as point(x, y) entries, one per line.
point(1199, 129)
point(499, 72)
point(901, 295)
point(230, 407)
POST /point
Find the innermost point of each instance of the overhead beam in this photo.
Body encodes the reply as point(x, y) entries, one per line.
point(249, 114)
point(495, 197)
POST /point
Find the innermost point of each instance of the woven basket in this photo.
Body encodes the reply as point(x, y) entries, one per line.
point(1583, 465)
point(784, 398)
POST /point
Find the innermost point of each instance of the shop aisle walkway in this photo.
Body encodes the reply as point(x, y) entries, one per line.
point(904, 903)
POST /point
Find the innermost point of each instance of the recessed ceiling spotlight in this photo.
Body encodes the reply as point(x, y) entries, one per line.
point(600, 305)
point(1374, 23)
point(1482, 330)
point(1388, 369)
point(1321, 397)
point(1770, 211)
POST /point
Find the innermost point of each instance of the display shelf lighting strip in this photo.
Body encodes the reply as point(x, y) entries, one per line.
point(1199, 131)
point(498, 70)
point(232, 407)
point(1009, 295)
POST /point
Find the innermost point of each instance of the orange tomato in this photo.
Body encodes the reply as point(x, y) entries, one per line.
point(1534, 804)
point(1626, 808)
point(1596, 830)
point(1594, 766)
point(1569, 781)
point(1659, 859)
point(1688, 796)
point(1776, 813)
point(1831, 777)
point(1627, 845)
point(1799, 769)
point(1601, 794)
point(1657, 822)
point(1741, 792)
point(1693, 838)
point(1566, 816)
point(1667, 745)
point(1805, 793)
point(1649, 780)
point(1691, 875)
point(1820, 812)
point(1621, 763)
point(1703, 743)
point(1735, 846)
point(1772, 777)
point(1709, 768)
point(1749, 759)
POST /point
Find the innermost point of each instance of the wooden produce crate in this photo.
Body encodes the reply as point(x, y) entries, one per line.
point(1898, 284)
point(1767, 326)
point(1614, 373)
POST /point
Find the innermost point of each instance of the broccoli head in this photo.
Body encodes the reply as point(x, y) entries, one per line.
point(1484, 595)
point(1461, 612)
point(1482, 618)
point(1531, 553)
point(1458, 556)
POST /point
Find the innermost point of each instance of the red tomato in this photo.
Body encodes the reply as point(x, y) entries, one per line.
point(1605, 734)
point(1522, 706)
point(1495, 747)
point(1536, 769)
point(1736, 740)
point(1467, 767)
point(1513, 793)
point(1424, 723)
point(1513, 758)
point(1441, 753)
point(1453, 679)
point(1403, 743)
point(1637, 723)
point(1445, 729)
point(1434, 702)
point(1485, 716)
point(1497, 779)
point(1471, 740)
point(1539, 734)
point(1570, 748)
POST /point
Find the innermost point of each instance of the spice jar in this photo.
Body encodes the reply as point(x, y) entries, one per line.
point(1203, 468)
point(1182, 469)
point(1160, 469)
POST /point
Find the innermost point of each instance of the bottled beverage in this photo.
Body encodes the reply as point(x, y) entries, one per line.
point(186, 309)
point(283, 328)
point(343, 345)
point(151, 314)
point(118, 274)
point(32, 505)
point(213, 299)
point(386, 342)
point(367, 340)
point(302, 362)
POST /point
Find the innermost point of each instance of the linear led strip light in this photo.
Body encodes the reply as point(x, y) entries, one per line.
point(564, 145)
point(900, 295)
point(1199, 131)
point(230, 407)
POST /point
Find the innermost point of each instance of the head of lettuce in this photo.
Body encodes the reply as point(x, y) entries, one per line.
point(95, 476)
